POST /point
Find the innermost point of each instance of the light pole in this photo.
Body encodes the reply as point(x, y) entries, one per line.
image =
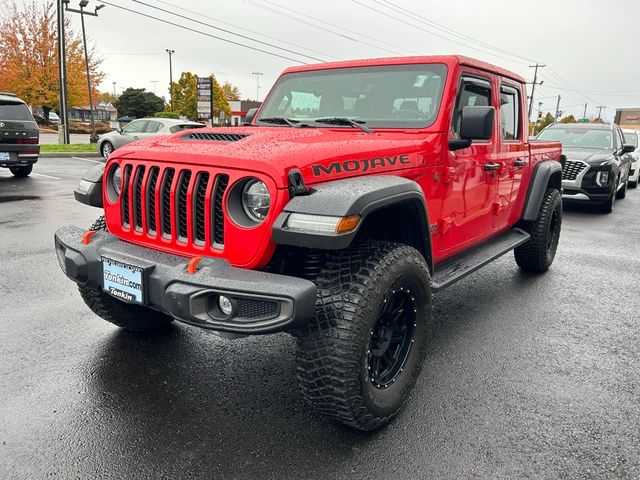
point(114, 88)
point(258, 75)
point(83, 3)
point(62, 71)
point(170, 52)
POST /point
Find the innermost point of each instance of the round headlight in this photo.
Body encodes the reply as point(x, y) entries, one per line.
point(116, 180)
point(256, 200)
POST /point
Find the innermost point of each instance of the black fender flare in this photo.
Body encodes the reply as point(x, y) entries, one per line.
point(538, 184)
point(89, 190)
point(354, 196)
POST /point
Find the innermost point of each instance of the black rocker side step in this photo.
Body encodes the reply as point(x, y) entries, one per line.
point(450, 271)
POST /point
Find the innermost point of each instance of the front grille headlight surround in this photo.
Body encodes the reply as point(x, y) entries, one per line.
point(114, 179)
point(249, 202)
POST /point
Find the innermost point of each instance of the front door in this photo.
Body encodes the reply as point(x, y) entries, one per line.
point(467, 208)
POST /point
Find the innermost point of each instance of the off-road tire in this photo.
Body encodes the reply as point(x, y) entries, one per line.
point(21, 172)
point(129, 317)
point(538, 253)
point(333, 353)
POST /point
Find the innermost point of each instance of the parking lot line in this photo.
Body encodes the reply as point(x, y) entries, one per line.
point(43, 175)
point(87, 160)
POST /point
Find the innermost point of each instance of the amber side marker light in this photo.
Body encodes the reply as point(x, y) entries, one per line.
point(322, 224)
point(348, 224)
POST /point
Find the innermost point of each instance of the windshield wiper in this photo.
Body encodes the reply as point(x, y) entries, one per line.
point(283, 121)
point(345, 121)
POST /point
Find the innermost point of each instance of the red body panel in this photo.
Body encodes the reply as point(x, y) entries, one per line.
point(466, 205)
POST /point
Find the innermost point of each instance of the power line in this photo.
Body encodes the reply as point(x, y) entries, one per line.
point(200, 14)
point(168, 22)
point(444, 28)
point(245, 37)
point(357, 37)
point(369, 7)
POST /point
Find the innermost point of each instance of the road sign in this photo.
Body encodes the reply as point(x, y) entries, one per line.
point(583, 120)
point(204, 103)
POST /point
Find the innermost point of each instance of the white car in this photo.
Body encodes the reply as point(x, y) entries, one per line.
point(142, 128)
point(633, 137)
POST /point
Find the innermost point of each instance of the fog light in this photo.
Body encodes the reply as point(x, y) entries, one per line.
point(225, 305)
point(602, 178)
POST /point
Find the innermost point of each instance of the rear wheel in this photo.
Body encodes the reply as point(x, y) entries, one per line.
point(21, 172)
point(538, 253)
point(130, 317)
point(359, 359)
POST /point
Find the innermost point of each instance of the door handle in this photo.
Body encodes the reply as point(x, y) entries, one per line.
point(135, 137)
point(490, 167)
point(519, 162)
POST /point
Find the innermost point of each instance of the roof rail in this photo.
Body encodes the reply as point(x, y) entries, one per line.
point(8, 94)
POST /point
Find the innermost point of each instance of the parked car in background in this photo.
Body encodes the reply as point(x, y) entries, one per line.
point(54, 118)
point(632, 137)
point(141, 128)
point(598, 161)
point(19, 136)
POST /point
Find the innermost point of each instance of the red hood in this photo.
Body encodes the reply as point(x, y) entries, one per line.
point(276, 150)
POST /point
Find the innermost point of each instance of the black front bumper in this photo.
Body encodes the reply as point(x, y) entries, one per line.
point(262, 302)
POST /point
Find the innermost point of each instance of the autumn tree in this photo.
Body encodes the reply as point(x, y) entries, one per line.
point(568, 119)
point(108, 97)
point(547, 120)
point(220, 105)
point(231, 92)
point(185, 96)
point(29, 58)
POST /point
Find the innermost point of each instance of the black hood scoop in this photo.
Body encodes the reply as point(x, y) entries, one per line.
point(214, 136)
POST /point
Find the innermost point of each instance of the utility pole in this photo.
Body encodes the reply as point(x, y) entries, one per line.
point(584, 115)
point(170, 52)
point(114, 88)
point(154, 85)
point(258, 75)
point(62, 72)
point(535, 82)
point(557, 109)
point(83, 3)
point(600, 108)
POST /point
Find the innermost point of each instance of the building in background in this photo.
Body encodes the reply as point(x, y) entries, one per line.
point(628, 118)
point(239, 110)
point(103, 112)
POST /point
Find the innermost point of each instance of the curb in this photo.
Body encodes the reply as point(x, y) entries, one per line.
point(70, 154)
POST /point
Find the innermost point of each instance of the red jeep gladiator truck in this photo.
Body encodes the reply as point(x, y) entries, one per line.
point(356, 191)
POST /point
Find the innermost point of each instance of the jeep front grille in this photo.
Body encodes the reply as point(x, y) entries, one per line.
point(173, 203)
point(572, 169)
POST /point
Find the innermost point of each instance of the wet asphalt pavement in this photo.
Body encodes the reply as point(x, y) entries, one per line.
point(527, 377)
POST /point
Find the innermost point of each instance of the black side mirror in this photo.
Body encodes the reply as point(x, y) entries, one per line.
point(119, 130)
point(251, 113)
point(476, 124)
point(627, 148)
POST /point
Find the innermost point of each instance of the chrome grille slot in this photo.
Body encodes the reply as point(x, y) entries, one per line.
point(151, 199)
point(137, 198)
point(125, 196)
point(199, 202)
point(181, 204)
point(165, 207)
point(572, 169)
point(217, 217)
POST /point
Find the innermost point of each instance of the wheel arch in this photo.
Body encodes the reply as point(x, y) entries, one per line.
point(391, 208)
point(545, 174)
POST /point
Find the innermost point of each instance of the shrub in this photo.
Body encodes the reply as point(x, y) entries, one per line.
point(167, 115)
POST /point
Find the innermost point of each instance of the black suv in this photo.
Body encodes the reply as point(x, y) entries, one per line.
point(19, 136)
point(597, 161)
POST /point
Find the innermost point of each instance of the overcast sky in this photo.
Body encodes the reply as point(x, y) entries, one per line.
point(593, 46)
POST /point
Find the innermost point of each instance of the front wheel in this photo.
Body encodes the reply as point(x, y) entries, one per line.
point(622, 193)
point(21, 172)
point(106, 150)
point(538, 253)
point(359, 359)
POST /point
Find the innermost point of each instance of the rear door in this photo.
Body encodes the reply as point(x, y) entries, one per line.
point(467, 207)
point(513, 155)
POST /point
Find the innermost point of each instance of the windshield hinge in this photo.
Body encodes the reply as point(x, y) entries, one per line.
point(296, 184)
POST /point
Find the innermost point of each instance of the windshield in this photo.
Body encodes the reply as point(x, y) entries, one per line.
point(631, 138)
point(15, 111)
point(396, 96)
point(579, 137)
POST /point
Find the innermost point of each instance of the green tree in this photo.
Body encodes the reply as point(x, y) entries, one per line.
point(108, 97)
point(231, 92)
point(568, 119)
point(185, 96)
point(137, 102)
point(220, 105)
point(546, 121)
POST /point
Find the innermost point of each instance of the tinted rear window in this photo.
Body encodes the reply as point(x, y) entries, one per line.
point(14, 111)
